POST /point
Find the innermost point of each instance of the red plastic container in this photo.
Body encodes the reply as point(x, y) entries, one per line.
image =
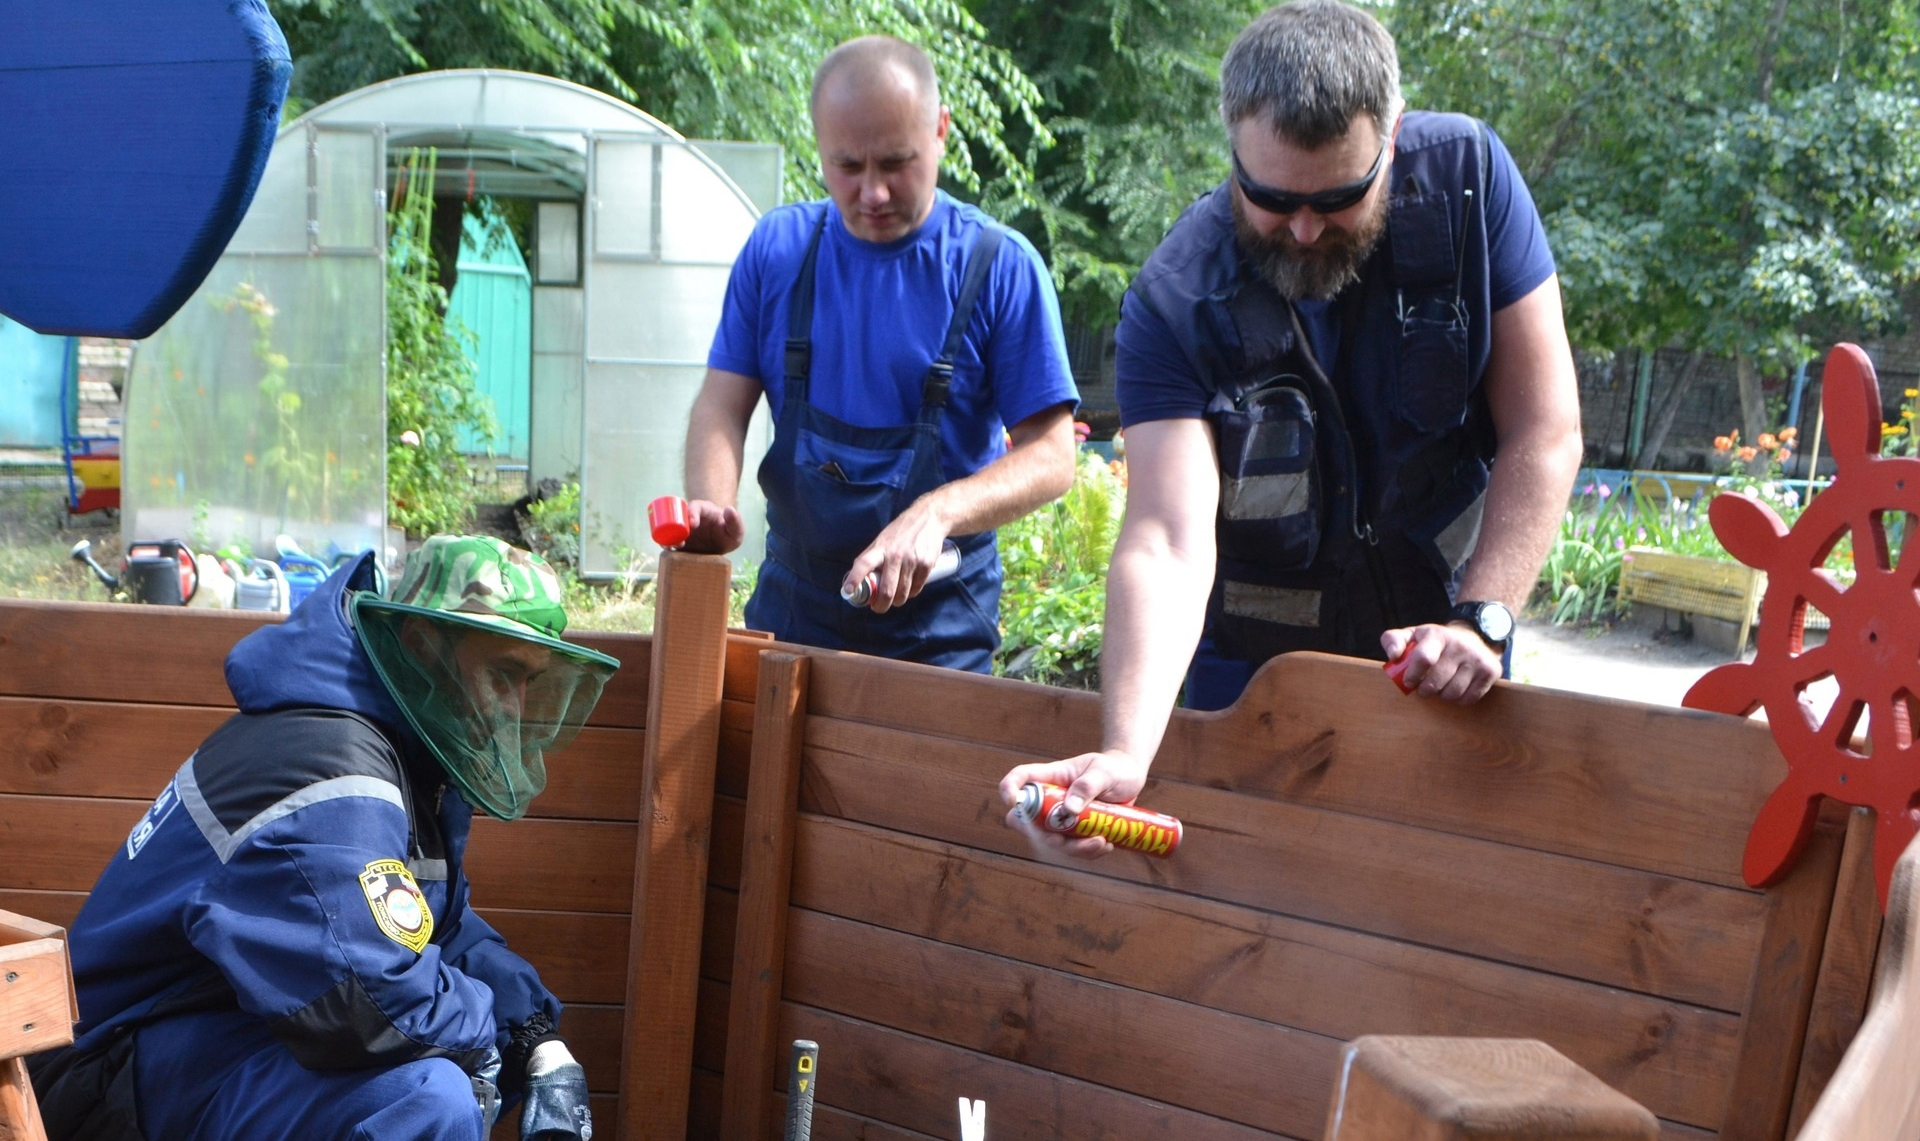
point(1397, 669)
point(667, 519)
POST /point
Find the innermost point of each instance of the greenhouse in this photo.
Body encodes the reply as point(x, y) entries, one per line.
point(259, 409)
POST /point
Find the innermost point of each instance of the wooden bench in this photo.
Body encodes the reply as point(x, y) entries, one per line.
point(822, 855)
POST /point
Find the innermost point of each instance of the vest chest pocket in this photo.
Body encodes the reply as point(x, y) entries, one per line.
point(1431, 381)
point(1270, 486)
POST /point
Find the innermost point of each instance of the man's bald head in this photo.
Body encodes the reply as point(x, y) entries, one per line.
point(878, 66)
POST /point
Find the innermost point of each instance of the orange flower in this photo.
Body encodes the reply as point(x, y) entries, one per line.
point(1723, 443)
point(1767, 442)
point(1787, 435)
point(1746, 454)
point(1783, 455)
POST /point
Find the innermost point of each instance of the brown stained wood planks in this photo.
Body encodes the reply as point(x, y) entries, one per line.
point(1675, 1058)
point(1163, 1049)
point(729, 834)
point(1783, 981)
point(1460, 1089)
point(675, 830)
point(914, 1082)
point(593, 1038)
point(61, 843)
point(1682, 939)
point(1530, 767)
point(1846, 969)
point(94, 748)
point(766, 872)
point(552, 865)
point(581, 956)
point(175, 656)
point(736, 748)
point(124, 750)
point(113, 652)
point(55, 907)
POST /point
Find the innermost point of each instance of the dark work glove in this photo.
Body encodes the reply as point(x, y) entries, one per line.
point(556, 1092)
point(486, 1089)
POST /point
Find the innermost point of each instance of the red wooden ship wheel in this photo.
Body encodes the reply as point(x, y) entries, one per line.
point(1872, 649)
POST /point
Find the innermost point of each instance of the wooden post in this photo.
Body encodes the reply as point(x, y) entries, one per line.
point(766, 874)
point(676, 828)
point(1873, 1095)
point(1483, 1089)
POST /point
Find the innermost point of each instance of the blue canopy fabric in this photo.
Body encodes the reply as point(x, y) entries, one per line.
point(132, 135)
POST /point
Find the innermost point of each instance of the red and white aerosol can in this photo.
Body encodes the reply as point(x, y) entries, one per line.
point(667, 520)
point(943, 567)
point(1123, 825)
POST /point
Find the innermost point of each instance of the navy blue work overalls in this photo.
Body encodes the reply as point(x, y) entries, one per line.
point(832, 487)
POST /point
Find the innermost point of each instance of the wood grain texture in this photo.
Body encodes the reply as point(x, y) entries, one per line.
point(670, 869)
point(1461, 1089)
point(1846, 969)
point(1528, 766)
point(36, 995)
point(1873, 1095)
point(766, 874)
point(552, 865)
point(1675, 1058)
point(19, 1112)
point(81, 650)
point(915, 1083)
point(55, 907)
point(1618, 926)
point(1785, 971)
point(581, 956)
point(1241, 1069)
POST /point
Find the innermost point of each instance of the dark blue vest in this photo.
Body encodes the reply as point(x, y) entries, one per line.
point(1351, 489)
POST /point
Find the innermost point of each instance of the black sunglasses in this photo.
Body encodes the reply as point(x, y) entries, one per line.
point(1276, 201)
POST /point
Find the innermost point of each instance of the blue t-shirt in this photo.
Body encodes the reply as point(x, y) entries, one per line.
point(880, 312)
point(1154, 381)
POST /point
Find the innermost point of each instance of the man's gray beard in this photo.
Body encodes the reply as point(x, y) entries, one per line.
point(1310, 273)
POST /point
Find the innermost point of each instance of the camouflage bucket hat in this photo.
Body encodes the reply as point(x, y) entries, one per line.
point(468, 645)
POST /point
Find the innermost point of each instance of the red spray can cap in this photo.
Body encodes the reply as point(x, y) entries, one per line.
point(667, 518)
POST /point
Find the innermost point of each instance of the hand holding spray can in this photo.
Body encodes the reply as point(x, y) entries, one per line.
point(943, 567)
point(1123, 825)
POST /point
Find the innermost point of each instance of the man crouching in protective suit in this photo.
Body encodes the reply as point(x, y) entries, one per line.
point(283, 947)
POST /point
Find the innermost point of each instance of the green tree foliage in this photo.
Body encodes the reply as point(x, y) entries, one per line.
point(1737, 177)
point(710, 68)
point(431, 396)
point(1132, 96)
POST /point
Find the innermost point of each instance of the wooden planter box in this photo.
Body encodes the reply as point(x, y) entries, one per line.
point(1691, 584)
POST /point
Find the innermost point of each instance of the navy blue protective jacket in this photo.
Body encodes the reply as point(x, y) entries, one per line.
point(303, 866)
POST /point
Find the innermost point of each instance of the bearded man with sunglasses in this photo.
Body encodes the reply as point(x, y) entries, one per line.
point(1350, 408)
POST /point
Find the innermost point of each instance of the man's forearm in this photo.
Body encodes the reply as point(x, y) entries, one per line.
point(1033, 472)
point(1525, 499)
point(716, 448)
point(1156, 606)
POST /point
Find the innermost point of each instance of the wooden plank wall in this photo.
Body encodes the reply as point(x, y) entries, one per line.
point(102, 703)
point(1356, 862)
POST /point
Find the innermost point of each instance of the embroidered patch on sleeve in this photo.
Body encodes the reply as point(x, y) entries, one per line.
point(398, 907)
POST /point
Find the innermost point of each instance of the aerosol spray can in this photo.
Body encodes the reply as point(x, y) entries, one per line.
point(943, 567)
point(1123, 825)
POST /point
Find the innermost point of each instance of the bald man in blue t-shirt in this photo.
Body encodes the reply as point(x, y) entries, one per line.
point(911, 352)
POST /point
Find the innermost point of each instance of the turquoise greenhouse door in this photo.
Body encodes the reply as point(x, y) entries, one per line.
point(494, 298)
point(32, 369)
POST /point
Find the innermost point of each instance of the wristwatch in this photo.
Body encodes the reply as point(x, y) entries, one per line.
point(1491, 620)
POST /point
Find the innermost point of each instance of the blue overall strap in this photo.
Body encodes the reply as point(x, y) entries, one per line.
point(800, 318)
point(986, 246)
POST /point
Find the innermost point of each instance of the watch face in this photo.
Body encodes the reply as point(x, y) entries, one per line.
point(1495, 621)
